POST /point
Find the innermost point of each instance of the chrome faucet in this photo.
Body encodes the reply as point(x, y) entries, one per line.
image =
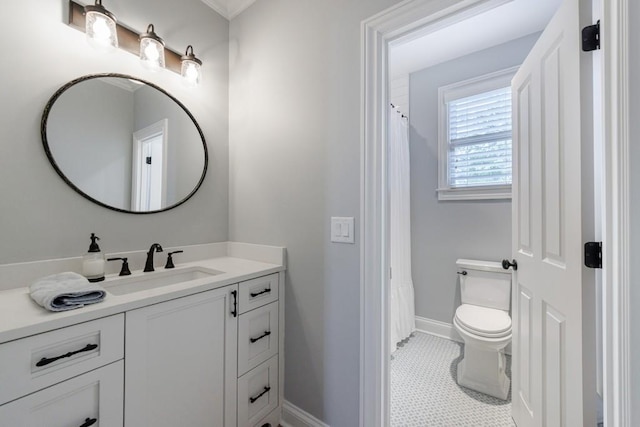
point(149, 264)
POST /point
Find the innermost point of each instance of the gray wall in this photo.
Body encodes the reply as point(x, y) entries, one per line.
point(294, 162)
point(443, 231)
point(43, 218)
point(634, 250)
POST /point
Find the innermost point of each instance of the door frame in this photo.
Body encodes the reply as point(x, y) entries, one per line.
point(412, 16)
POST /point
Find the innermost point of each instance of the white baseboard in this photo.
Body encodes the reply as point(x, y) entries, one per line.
point(292, 416)
point(437, 328)
point(443, 330)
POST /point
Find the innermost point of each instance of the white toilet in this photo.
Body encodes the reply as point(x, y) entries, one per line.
point(484, 324)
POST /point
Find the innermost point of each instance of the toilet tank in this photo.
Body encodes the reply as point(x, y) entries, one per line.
point(486, 284)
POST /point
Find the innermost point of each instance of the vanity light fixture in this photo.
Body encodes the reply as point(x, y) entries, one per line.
point(151, 50)
point(100, 27)
point(105, 33)
point(190, 68)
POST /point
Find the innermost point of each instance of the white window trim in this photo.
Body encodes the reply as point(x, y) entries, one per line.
point(484, 83)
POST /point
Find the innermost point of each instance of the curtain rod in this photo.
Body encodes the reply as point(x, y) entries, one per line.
point(398, 111)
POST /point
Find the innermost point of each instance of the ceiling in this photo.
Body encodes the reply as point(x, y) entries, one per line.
point(509, 21)
point(229, 8)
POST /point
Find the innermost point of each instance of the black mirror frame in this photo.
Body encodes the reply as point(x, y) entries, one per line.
point(45, 143)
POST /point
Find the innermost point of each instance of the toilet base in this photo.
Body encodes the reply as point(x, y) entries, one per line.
point(484, 371)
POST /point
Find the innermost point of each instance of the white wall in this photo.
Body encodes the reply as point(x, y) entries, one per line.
point(294, 162)
point(443, 231)
point(634, 160)
point(43, 218)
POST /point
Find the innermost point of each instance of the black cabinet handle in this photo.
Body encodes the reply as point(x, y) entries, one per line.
point(89, 422)
point(506, 264)
point(45, 361)
point(266, 334)
point(234, 312)
point(266, 390)
point(255, 294)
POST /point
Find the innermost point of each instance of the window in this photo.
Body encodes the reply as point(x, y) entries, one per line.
point(475, 138)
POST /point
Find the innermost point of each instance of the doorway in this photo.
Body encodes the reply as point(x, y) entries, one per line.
point(454, 84)
point(375, 260)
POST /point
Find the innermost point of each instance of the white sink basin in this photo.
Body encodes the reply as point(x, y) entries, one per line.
point(157, 279)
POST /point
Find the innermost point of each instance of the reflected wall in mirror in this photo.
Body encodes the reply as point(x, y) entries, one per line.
point(124, 143)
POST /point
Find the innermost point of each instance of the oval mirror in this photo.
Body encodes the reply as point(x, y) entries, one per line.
point(124, 143)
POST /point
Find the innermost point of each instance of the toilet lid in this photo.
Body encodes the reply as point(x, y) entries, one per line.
point(483, 321)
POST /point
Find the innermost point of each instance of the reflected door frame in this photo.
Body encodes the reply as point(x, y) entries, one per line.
point(141, 176)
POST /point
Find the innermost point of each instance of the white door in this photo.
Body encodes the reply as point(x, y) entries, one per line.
point(181, 362)
point(552, 375)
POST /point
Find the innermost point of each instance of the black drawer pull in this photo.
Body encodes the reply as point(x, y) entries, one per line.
point(266, 390)
point(89, 422)
point(266, 334)
point(234, 312)
point(255, 294)
point(45, 361)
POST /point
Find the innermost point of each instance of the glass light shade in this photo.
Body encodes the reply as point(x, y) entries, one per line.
point(190, 73)
point(190, 69)
point(101, 28)
point(151, 50)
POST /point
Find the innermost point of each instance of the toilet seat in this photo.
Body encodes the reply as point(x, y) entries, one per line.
point(483, 321)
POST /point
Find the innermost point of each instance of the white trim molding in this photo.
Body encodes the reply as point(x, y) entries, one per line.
point(437, 328)
point(378, 32)
point(615, 256)
point(292, 416)
point(229, 8)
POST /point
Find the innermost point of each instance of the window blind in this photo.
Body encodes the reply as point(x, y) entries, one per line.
point(480, 139)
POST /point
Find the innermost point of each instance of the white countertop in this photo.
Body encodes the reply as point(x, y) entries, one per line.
point(20, 316)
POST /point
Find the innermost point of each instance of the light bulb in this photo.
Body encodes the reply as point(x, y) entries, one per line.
point(151, 52)
point(191, 73)
point(101, 31)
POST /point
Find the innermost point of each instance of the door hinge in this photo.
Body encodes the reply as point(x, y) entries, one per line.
point(591, 37)
point(148, 160)
point(593, 254)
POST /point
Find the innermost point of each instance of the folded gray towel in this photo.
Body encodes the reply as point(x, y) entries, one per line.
point(65, 291)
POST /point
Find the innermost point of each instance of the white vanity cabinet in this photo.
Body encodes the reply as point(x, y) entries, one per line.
point(260, 347)
point(206, 360)
point(209, 354)
point(69, 377)
point(181, 358)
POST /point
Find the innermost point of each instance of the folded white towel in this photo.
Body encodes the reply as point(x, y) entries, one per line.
point(65, 291)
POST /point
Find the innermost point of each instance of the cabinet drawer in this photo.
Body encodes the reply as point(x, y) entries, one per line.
point(258, 292)
point(32, 363)
point(271, 420)
point(92, 399)
point(257, 337)
point(258, 393)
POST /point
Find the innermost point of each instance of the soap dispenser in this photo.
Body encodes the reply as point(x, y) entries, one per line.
point(93, 262)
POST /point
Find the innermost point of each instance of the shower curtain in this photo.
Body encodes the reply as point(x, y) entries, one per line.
point(402, 310)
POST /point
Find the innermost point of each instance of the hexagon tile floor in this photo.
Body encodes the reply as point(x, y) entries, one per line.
point(424, 391)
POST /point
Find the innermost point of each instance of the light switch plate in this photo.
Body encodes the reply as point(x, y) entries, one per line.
point(342, 229)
